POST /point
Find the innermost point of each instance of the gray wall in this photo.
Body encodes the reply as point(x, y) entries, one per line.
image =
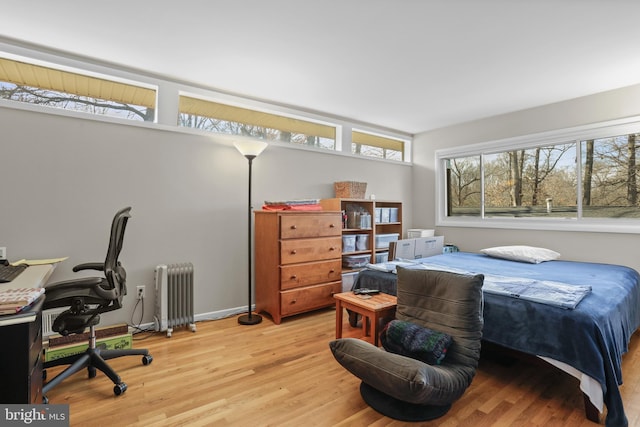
point(617, 248)
point(63, 178)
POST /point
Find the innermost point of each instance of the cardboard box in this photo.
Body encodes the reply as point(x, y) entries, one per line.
point(428, 246)
point(410, 249)
point(405, 249)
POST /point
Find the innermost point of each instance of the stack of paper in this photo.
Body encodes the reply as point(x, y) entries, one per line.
point(39, 261)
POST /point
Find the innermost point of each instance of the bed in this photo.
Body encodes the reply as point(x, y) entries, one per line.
point(587, 341)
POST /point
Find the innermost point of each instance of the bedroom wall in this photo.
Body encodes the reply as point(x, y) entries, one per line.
point(63, 178)
point(617, 248)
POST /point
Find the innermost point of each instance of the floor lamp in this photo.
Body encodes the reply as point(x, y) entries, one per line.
point(250, 149)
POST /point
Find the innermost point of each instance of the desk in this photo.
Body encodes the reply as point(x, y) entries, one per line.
point(21, 338)
point(379, 306)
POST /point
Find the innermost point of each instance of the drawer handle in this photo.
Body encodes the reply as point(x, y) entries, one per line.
point(293, 301)
point(332, 248)
point(332, 271)
point(294, 277)
point(293, 252)
point(294, 227)
point(332, 226)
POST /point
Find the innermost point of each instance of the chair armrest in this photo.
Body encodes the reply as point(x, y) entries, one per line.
point(99, 266)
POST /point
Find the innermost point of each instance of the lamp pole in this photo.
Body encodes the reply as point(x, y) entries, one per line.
point(249, 318)
point(250, 149)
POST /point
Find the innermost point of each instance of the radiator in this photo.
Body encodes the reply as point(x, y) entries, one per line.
point(174, 297)
point(48, 317)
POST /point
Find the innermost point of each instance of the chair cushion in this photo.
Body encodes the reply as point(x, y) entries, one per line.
point(445, 302)
point(401, 377)
point(415, 341)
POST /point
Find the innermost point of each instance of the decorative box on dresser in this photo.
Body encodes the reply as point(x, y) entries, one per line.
point(298, 263)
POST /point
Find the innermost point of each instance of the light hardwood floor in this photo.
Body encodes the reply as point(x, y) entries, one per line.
point(226, 374)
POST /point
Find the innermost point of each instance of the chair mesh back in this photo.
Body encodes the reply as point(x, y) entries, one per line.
point(445, 302)
point(113, 271)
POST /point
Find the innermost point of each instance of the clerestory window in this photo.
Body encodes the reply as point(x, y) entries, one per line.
point(228, 119)
point(48, 86)
point(370, 145)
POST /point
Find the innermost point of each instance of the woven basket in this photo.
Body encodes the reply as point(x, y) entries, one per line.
point(350, 189)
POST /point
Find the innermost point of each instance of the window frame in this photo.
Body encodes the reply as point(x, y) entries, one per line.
point(563, 136)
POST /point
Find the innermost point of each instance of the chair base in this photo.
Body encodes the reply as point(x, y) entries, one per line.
point(94, 359)
point(397, 409)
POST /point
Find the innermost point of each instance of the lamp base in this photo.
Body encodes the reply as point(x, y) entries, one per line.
point(250, 319)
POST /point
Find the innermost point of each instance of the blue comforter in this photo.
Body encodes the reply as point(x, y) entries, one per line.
point(592, 337)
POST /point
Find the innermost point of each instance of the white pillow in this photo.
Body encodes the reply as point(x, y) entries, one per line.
point(522, 253)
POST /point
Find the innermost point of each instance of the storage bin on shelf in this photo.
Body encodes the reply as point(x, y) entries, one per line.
point(362, 242)
point(393, 214)
point(348, 243)
point(347, 281)
point(385, 215)
point(355, 261)
point(382, 257)
point(382, 240)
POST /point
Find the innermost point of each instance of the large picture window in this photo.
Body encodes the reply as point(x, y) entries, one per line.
point(579, 179)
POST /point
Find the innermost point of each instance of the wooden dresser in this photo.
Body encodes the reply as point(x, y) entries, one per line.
point(298, 261)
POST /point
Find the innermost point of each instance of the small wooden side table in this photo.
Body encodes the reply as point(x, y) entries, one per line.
point(372, 309)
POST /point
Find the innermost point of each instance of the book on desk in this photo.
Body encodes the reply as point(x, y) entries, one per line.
point(15, 300)
point(33, 278)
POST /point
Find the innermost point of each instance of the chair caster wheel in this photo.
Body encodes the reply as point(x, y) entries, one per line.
point(118, 389)
point(45, 401)
point(146, 360)
point(91, 371)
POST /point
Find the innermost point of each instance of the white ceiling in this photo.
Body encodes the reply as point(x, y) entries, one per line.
point(408, 65)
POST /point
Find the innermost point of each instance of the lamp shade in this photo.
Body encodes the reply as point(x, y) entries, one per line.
point(250, 148)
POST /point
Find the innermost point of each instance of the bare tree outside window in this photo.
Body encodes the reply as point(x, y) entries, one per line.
point(69, 101)
point(210, 124)
point(543, 181)
point(610, 177)
point(464, 190)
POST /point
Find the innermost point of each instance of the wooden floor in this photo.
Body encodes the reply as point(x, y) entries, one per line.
point(226, 374)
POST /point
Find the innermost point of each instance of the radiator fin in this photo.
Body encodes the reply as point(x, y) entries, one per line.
point(174, 297)
point(48, 316)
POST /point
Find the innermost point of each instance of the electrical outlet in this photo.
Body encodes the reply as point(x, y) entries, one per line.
point(139, 292)
point(3, 252)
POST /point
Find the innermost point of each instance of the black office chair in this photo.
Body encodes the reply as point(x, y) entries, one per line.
point(86, 298)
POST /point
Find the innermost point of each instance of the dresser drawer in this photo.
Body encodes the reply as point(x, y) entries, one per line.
point(35, 381)
point(301, 226)
point(304, 250)
point(35, 329)
point(312, 273)
point(308, 298)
